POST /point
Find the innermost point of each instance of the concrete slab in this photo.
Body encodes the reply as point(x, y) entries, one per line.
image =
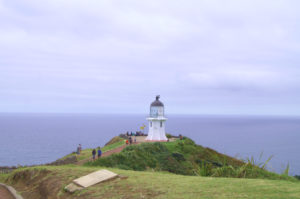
point(94, 178)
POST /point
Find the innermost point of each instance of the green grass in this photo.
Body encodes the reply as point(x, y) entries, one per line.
point(146, 184)
point(87, 153)
point(3, 176)
point(186, 158)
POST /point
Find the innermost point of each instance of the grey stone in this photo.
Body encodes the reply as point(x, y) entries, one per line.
point(94, 178)
point(72, 187)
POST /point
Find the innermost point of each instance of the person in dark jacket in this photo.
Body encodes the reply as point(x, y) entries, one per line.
point(99, 152)
point(78, 150)
point(94, 154)
point(130, 140)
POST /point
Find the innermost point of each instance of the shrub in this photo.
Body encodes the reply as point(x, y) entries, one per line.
point(178, 156)
point(186, 158)
point(297, 177)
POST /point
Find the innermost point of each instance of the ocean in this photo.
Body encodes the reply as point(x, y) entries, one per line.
point(27, 139)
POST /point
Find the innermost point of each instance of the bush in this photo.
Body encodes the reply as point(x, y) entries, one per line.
point(186, 158)
point(178, 156)
point(297, 177)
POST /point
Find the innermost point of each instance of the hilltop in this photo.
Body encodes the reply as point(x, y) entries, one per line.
point(186, 158)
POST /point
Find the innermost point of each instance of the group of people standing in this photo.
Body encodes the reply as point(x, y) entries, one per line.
point(129, 140)
point(99, 152)
point(137, 133)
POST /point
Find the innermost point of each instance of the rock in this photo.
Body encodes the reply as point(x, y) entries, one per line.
point(122, 177)
point(72, 188)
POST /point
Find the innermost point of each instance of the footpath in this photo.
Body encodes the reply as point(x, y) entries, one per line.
point(5, 194)
point(104, 154)
point(139, 139)
point(8, 192)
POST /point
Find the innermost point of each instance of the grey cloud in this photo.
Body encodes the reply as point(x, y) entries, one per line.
point(201, 56)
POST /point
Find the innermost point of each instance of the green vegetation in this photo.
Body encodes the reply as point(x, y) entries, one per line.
point(152, 163)
point(114, 140)
point(49, 181)
point(186, 158)
point(87, 153)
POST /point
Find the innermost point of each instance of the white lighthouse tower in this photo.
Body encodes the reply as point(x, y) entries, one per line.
point(157, 121)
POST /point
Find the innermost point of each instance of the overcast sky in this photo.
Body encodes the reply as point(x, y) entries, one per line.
point(201, 56)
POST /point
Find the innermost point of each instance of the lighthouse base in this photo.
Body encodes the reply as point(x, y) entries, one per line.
point(156, 135)
point(157, 129)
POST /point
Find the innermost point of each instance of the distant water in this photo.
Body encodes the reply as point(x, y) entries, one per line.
point(28, 139)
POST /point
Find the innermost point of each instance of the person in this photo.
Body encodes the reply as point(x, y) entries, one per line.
point(134, 139)
point(180, 137)
point(130, 140)
point(78, 150)
point(94, 154)
point(99, 152)
point(126, 142)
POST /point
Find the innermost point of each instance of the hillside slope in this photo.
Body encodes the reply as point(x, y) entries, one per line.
point(48, 182)
point(186, 158)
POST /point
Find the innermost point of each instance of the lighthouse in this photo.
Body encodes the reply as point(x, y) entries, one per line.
point(157, 121)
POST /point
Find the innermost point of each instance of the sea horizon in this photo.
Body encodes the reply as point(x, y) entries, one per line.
point(45, 137)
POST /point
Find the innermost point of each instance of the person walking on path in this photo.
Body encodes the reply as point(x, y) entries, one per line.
point(94, 154)
point(99, 152)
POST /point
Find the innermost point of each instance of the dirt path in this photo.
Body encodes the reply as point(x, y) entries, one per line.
point(139, 140)
point(5, 194)
point(104, 154)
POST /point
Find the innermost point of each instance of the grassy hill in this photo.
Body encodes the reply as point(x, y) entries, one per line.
point(186, 158)
point(86, 153)
point(48, 182)
point(179, 169)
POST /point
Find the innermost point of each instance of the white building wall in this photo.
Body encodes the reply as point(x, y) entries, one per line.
point(156, 131)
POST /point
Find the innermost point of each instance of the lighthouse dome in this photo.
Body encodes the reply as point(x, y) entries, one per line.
point(157, 102)
point(157, 108)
